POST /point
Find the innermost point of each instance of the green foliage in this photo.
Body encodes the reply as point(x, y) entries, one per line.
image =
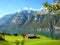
point(48, 6)
point(55, 8)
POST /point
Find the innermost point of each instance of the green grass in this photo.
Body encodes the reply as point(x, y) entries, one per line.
point(13, 38)
point(41, 41)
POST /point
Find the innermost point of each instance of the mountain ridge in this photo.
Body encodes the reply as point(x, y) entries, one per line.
point(28, 20)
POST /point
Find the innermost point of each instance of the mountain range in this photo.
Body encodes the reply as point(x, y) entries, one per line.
point(27, 20)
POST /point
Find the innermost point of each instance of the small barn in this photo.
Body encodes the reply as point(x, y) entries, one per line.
point(31, 36)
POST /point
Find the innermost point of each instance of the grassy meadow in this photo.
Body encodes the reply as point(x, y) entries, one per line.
point(17, 40)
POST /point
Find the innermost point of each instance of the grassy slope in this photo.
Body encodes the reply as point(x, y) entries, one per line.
point(13, 38)
point(41, 41)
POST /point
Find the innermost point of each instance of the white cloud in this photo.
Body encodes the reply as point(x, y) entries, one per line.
point(42, 8)
point(27, 8)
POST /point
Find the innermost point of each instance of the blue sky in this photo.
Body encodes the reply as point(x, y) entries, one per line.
point(12, 6)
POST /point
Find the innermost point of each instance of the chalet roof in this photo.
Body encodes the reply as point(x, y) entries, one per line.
point(30, 35)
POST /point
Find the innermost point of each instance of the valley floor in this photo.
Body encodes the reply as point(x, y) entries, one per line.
point(17, 40)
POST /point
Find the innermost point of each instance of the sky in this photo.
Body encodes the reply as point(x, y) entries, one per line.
point(12, 6)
